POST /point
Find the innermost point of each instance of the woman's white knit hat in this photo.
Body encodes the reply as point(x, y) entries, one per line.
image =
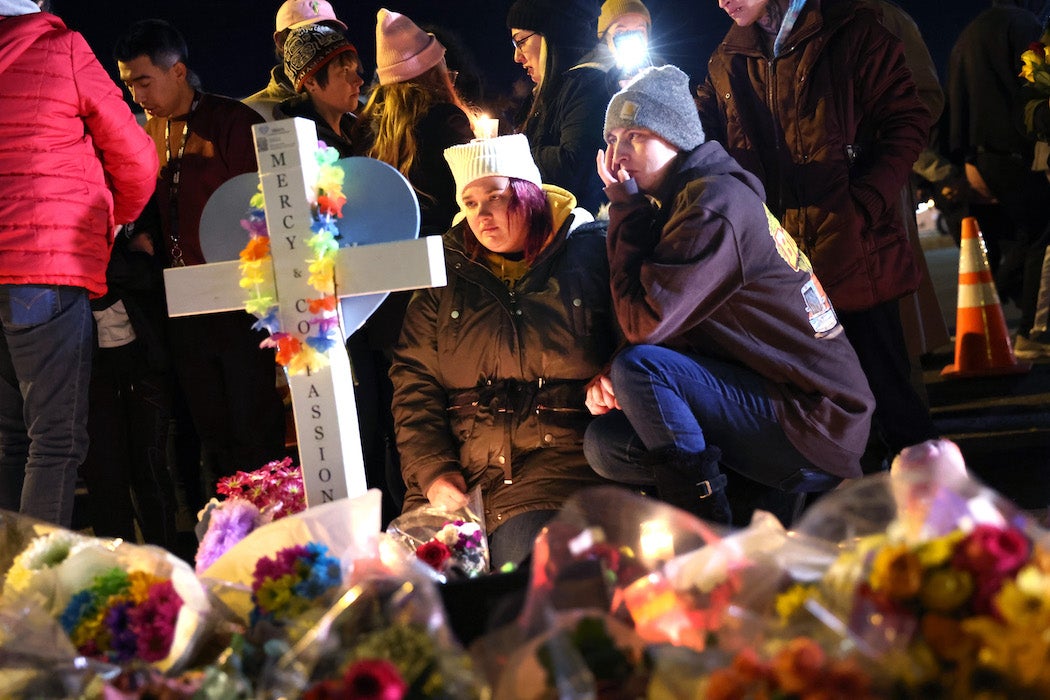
point(505, 156)
point(403, 50)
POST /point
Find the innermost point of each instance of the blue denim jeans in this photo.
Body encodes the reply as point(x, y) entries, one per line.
point(674, 399)
point(513, 540)
point(46, 338)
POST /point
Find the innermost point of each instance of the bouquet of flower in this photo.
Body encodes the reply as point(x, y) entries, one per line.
point(347, 529)
point(1035, 64)
point(582, 653)
point(115, 602)
point(799, 667)
point(939, 581)
point(610, 548)
point(287, 585)
point(386, 637)
point(452, 544)
point(272, 492)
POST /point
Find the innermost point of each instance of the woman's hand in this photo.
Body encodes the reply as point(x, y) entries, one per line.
point(605, 171)
point(600, 395)
point(448, 492)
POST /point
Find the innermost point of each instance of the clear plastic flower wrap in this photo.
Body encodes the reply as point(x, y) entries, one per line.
point(114, 604)
point(452, 543)
point(940, 581)
point(386, 635)
point(600, 563)
point(347, 528)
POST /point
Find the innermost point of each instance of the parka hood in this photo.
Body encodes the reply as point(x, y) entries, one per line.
point(19, 33)
point(709, 159)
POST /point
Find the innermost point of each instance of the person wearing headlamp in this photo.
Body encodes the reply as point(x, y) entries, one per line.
point(624, 29)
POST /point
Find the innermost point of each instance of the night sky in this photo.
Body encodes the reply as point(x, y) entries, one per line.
point(232, 50)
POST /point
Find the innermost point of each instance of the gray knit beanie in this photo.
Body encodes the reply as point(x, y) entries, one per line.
point(658, 100)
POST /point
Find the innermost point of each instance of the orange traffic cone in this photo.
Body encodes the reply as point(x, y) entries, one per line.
point(982, 343)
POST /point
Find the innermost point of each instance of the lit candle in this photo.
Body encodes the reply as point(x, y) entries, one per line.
point(486, 127)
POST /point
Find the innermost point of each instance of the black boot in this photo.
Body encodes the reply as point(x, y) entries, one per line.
point(692, 481)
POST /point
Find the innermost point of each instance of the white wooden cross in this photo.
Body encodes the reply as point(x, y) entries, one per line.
point(322, 400)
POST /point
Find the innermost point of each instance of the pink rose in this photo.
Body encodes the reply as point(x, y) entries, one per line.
point(992, 552)
point(374, 679)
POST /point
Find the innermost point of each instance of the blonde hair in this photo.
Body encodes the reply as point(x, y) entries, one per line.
point(393, 111)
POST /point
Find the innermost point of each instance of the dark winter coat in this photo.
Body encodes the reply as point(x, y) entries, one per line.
point(986, 97)
point(711, 271)
point(831, 127)
point(565, 130)
point(489, 381)
point(73, 161)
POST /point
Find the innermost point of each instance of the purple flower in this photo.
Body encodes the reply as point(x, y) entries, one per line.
point(230, 523)
point(122, 639)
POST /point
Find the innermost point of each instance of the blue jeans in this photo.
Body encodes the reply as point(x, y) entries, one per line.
point(46, 338)
point(513, 540)
point(675, 399)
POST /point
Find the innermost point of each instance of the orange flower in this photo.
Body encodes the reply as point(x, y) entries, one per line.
point(749, 665)
point(799, 665)
point(287, 348)
point(946, 638)
point(325, 303)
point(729, 684)
point(258, 247)
point(897, 572)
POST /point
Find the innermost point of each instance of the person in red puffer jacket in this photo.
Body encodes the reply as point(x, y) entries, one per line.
point(74, 167)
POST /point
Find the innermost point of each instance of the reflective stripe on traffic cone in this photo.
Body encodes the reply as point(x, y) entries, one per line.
point(982, 343)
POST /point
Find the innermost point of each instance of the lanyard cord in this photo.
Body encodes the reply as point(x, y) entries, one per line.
point(175, 170)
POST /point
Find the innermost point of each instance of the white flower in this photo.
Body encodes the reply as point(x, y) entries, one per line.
point(468, 529)
point(448, 535)
point(33, 571)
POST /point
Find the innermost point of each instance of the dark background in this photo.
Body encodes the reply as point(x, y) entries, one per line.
point(232, 50)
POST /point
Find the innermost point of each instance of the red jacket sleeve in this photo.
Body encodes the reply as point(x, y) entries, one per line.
point(128, 155)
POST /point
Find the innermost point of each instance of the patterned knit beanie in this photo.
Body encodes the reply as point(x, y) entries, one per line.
point(310, 48)
point(612, 10)
point(403, 50)
point(505, 156)
point(658, 100)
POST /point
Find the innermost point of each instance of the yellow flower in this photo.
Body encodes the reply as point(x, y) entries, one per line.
point(274, 595)
point(944, 590)
point(939, 550)
point(1025, 601)
point(139, 583)
point(896, 572)
point(1016, 653)
point(791, 601)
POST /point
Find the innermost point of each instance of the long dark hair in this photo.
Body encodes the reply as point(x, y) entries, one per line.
point(528, 201)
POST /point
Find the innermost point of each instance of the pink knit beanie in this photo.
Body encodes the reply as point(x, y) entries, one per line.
point(403, 50)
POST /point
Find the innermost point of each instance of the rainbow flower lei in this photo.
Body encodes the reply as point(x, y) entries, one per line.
point(306, 353)
point(123, 616)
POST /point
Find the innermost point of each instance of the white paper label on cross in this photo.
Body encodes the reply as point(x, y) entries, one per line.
point(322, 400)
